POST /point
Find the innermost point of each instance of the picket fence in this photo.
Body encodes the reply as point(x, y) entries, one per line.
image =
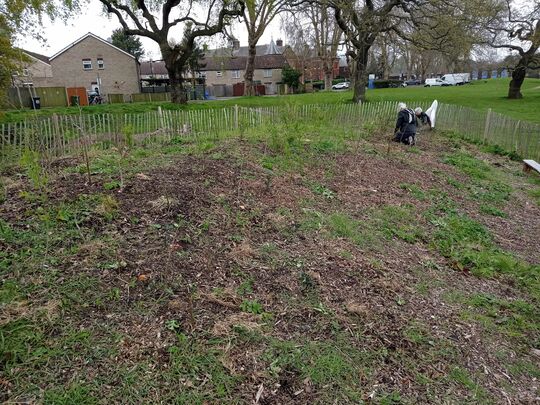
point(61, 135)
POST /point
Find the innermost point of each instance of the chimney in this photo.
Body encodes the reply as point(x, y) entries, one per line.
point(236, 44)
point(279, 42)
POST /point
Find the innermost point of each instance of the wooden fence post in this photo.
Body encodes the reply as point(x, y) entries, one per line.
point(236, 116)
point(486, 126)
point(515, 137)
point(160, 115)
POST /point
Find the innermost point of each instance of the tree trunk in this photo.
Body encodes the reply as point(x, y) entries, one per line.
point(249, 88)
point(327, 79)
point(361, 74)
point(175, 66)
point(384, 61)
point(178, 95)
point(518, 76)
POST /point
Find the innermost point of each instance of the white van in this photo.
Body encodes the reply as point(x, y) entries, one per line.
point(457, 79)
point(435, 82)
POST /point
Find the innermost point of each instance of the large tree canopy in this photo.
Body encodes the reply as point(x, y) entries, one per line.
point(156, 19)
point(128, 43)
point(19, 17)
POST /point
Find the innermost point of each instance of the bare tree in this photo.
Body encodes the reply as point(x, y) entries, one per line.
point(450, 29)
point(518, 30)
point(362, 21)
point(258, 14)
point(325, 37)
point(386, 52)
point(138, 18)
point(316, 37)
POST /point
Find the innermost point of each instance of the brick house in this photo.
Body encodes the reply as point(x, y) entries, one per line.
point(311, 66)
point(92, 62)
point(33, 72)
point(225, 67)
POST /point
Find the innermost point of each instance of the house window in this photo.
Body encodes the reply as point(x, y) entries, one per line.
point(202, 74)
point(236, 74)
point(87, 64)
point(219, 73)
point(100, 63)
point(267, 72)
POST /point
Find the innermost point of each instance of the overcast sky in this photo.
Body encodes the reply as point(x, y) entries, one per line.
point(60, 34)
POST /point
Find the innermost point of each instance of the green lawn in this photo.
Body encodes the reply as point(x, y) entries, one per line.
point(479, 95)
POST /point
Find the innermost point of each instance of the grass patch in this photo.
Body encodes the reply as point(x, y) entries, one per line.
point(471, 248)
point(334, 365)
point(514, 318)
point(493, 211)
point(385, 223)
point(468, 164)
point(193, 361)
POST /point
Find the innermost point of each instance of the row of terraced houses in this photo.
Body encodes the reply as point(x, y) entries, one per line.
point(94, 64)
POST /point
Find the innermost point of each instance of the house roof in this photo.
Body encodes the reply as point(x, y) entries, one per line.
point(82, 39)
point(153, 68)
point(239, 62)
point(42, 58)
point(244, 50)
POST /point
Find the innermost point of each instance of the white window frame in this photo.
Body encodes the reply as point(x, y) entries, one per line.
point(267, 72)
point(26, 72)
point(219, 73)
point(100, 64)
point(85, 62)
point(235, 74)
point(202, 74)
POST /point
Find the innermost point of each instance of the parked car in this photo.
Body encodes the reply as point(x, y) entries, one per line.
point(413, 82)
point(341, 86)
point(457, 79)
point(436, 82)
point(395, 84)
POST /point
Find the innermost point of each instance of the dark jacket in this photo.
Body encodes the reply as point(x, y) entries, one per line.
point(406, 122)
point(424, 118)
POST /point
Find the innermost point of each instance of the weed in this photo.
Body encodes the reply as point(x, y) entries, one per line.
point(172, 325)
point(30, 161)
point(111, 185)
point(307, 282)
point(491, 210)
point(320, 189)
point(414, 190)
point(108, 207)
point(246, 287)
point(453, 182)
point(252, 307)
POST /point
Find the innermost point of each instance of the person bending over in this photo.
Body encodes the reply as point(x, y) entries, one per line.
point(406, 124)
point(422, 117)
